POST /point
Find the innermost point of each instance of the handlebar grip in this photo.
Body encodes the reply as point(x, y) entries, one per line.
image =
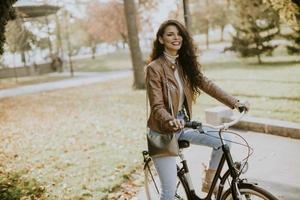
point(193, 124)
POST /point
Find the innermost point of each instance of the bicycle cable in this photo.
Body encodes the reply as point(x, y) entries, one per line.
point(250, 149)
point(152, 177)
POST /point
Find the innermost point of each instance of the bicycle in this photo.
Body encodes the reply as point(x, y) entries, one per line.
point(239, 189)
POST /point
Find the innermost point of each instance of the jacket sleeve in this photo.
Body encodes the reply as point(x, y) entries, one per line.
point(213, 90)
point(155, 94)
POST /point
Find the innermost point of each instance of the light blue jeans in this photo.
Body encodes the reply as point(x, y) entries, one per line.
point(166, 166)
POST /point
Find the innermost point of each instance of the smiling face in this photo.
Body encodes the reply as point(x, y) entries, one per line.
point(171, 39)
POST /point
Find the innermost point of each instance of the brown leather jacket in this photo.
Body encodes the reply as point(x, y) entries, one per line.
point(160, 113)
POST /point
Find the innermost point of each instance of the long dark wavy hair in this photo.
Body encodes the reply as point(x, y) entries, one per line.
point(187, 54)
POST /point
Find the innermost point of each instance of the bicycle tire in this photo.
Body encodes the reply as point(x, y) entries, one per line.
point(152, 193)
point(250, 192)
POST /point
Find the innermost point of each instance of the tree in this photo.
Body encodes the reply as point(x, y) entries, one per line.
point(19, 38)
point(59, 43)
point(106, 22)
point(294, 38)
point(67, 38)
point(178, 13)
point(202, 19)
point(219, 16)
point(146, 12)
point(255, 24)
point(135, 51)
point(90, 40)
point(289, 11)
point(7, 12)
point(209, 14)
point(187, 15)
point(44, 29)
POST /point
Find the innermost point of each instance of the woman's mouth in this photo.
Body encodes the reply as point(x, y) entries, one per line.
point(175, 43)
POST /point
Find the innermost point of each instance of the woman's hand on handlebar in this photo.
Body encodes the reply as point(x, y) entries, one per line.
point(177, 124)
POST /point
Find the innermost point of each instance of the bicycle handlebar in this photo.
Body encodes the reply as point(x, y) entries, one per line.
point(227, 125)
point(195, 125)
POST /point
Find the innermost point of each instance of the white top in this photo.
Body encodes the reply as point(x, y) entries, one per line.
point(173, 60)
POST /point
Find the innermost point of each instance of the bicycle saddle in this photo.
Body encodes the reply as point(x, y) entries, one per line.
point(183, 144)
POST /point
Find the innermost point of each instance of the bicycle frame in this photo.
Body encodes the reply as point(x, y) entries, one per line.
point(226, 157)
point(184, 170)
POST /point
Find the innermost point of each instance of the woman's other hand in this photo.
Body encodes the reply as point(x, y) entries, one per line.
point(242, 106)
point(176, 124)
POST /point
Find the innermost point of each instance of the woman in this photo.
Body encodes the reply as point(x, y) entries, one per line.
point(173, 74)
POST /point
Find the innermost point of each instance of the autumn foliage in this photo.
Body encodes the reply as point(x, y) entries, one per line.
point(106, 22)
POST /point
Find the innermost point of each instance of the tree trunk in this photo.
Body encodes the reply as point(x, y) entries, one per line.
point(259, 59)
point(93, 47)
point(15, 67)
point(125, 40)
point(23, 58)
point(257, 47)
point(48, 31)
point(207, 34)
point(187, 15)
point(207, 25)
point(222, 34)
point(135, 51)
point(59, 46)
point(117, 46)
point(66, 17)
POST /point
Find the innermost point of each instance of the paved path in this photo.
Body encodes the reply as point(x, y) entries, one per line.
point(80, 78)
point(274, 165)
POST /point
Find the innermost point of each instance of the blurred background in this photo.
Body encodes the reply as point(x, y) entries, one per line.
point(62, 144)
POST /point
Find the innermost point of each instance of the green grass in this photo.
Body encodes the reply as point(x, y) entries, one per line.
point(273, 88)
point(13, 186)
point(108, 62)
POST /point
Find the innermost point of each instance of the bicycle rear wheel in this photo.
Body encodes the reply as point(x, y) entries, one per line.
point(152, 185)
point(250, 192)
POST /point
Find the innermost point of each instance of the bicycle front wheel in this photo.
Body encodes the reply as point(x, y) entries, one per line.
point(250, 192)
point(152, 185)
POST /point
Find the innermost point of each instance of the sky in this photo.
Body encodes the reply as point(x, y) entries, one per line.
point(78, 10)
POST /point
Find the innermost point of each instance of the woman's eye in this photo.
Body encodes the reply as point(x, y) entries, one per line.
point(171, 34)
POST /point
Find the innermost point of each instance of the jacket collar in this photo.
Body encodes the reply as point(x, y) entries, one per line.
point(169, 69)
point(167, 63)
